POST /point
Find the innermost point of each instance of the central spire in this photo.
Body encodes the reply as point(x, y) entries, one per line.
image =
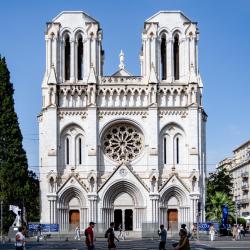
point(121, 56)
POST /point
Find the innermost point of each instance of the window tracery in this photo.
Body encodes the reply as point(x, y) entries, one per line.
point(122, 142)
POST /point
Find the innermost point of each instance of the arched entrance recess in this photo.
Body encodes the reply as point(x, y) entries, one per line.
point(72, 209)
point(123, 203)
point(174, 210)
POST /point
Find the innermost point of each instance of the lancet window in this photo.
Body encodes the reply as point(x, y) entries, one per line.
point(176, 58)
point(67, 58)
point(80, 58)
point(163, 57)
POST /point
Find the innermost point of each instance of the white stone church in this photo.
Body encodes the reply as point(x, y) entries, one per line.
point(123, 148)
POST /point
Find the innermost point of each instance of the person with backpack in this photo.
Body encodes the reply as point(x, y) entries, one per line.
point(89, 234)
point(110, 235)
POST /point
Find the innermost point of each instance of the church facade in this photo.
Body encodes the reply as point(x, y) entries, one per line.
point(123, 148)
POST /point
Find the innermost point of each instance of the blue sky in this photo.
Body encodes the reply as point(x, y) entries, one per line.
point(224, 55)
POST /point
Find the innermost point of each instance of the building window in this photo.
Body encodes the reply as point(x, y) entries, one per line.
point(67, 59)
point(122, 142)
point(80, 59)
point(163, 58)
point(80, 150)
point(165, 150)
point(177, 152)
point(67, 151)
point(176, 57)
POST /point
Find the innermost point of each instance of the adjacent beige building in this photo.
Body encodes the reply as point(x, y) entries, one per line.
point(239, 166)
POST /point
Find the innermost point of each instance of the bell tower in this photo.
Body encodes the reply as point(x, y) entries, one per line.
point(169, 42)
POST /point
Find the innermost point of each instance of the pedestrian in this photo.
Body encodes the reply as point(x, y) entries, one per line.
point(89, 233)
point(77, 233)
point(39, 232)
point(183, 242)
point(193, 232)
point(212, 232)
point(163, 234)
point(121, 232)
point(238, 232)
point(242, 231)
point(20, 239)
point(110, 234)
point(234, 232)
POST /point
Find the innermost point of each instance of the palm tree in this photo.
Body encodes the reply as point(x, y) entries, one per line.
point(214, 206)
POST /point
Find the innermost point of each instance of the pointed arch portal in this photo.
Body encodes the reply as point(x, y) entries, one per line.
point(72, 209)
point(123, 203)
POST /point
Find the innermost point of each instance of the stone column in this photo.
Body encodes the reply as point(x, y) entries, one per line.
point(52, 207)
point(154, 198)
point(170, 60)
point(72, 60)
point(194, 197)
point(123, 219)
point(93, 206)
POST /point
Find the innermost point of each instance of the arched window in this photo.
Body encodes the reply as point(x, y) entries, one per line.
point(177, 150)
point(176, 58)
point(67, 151)
point(79, 58)
point(165, 150)
point(67, 58)
point(163, 58)
point(80, 150)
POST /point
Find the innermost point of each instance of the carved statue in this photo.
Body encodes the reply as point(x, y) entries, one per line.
point(17, 211)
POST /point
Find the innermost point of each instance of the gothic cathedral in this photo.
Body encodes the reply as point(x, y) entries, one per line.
point(122, 148)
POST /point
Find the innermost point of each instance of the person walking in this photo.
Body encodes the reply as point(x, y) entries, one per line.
point(39, 232)
point(20, 239)
point(212, 232)
point(89, 233)
point(110, 234)
point(77, 233)
point(121, 232)
point(183, 242)
point(193, 232)
point(234, 232)
point(163, 234)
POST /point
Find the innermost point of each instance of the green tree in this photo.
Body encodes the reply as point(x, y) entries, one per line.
point(214, 206)
point(18, 186)
point(220, 181)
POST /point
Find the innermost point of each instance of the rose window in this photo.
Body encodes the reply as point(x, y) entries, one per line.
point(122, 142)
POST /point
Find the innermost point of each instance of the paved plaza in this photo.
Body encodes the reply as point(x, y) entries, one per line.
point(147, 244)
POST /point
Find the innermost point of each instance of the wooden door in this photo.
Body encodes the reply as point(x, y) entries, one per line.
point(172, 219)
point(74, 219)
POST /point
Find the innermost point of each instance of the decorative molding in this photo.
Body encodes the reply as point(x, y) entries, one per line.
point(122, 112)
point(63, 113)
point(183, 113)
point(122, 80)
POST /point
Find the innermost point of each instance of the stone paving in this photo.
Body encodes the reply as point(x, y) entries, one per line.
point(147, 244)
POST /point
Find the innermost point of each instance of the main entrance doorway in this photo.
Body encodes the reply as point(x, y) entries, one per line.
point(173, 219)
point(117, 218)
point(128, 219)
point(123, 211)
point(123, 218)
point(74, 219)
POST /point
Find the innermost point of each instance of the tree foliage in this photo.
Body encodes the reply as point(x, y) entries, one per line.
point(214, 206)
point(219, 192)
point(18, 186)
point(220, 181)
